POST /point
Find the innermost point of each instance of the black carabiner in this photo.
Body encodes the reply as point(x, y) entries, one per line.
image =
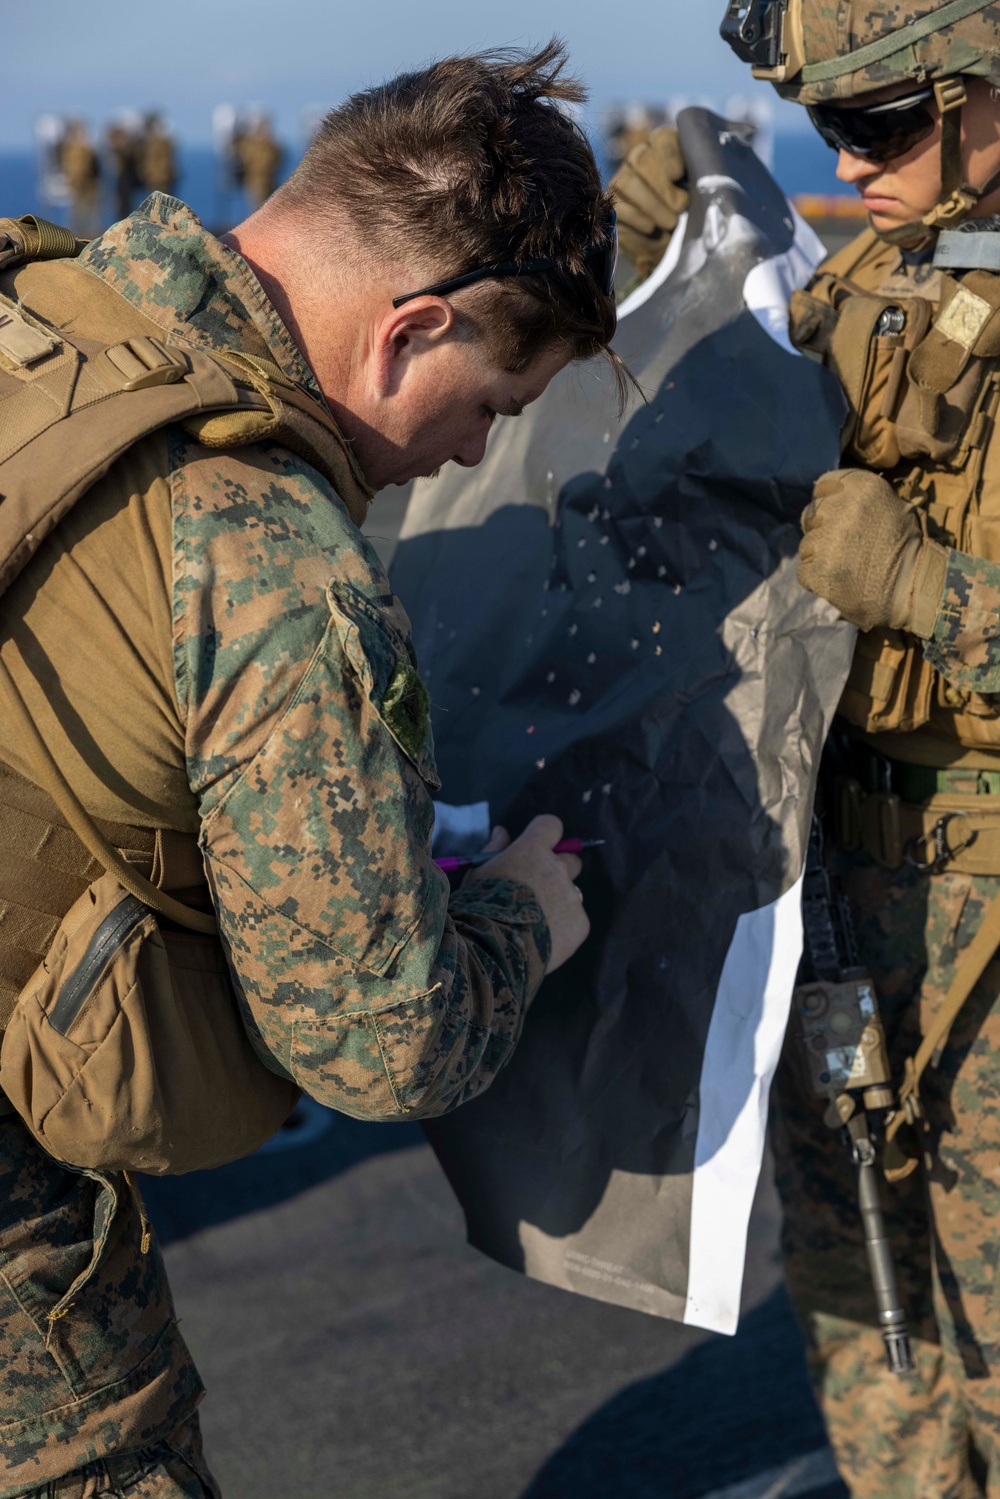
point(942, 851)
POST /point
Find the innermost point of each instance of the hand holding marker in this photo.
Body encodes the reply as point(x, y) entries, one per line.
point(567, 846)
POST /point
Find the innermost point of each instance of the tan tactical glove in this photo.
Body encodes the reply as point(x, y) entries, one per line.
point(648, 197)
point(865, 551)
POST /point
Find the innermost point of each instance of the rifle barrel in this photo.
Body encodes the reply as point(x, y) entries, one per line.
point(891, 1316)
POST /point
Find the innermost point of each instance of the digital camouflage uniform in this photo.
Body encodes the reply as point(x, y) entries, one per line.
point(923, 716)
point(919, 736)
point(255, 682)
point(937, 1432)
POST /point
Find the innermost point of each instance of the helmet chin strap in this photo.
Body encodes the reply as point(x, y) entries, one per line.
point(958, 198)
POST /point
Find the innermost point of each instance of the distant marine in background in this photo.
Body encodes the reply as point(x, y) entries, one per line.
point(249, 156)
point(260, 158)
point(81, 170)
point(157, 157)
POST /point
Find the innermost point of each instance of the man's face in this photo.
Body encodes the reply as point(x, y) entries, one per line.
point(902, 190)
point(442, 407)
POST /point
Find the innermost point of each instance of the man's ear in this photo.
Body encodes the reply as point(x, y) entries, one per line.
point(406, 332)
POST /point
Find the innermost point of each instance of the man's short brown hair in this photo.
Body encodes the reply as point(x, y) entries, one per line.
point(475, 161)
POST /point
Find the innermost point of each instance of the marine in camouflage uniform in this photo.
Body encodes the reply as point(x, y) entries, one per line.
point(310, 782)
point(920, 737)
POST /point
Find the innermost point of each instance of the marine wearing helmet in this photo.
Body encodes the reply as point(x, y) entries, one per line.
point(904, 540)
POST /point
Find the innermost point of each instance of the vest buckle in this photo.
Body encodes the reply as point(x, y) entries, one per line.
point(139, 363)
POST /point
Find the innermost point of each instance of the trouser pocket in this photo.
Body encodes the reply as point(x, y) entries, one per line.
point(91, 1363)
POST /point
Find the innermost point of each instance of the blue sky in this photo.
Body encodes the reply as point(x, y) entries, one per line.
point(185, 56)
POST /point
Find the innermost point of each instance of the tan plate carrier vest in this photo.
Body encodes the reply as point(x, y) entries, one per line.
point(69, 406)
point(922, 407)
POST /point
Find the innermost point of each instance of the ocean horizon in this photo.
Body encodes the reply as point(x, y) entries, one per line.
point(802, 164)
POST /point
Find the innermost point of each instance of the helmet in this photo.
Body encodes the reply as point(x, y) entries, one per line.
point(819, 51)
point(822, 51)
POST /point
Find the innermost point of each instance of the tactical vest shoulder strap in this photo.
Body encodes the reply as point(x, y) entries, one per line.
point(71, 405)
point(31, 238)
point(68, 411)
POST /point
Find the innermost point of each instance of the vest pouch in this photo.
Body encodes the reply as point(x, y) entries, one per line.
point(870, 362)
point(873, 440)
point(126, 1050)
point(931, 425)
point(890, 685)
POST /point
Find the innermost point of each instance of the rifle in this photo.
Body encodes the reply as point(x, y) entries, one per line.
point(842, 1045)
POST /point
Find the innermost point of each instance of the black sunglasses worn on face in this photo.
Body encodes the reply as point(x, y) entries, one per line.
point(879, 132)
point(601, 262)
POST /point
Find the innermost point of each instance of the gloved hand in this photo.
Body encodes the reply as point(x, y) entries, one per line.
point(648, 197)
point(864, 550)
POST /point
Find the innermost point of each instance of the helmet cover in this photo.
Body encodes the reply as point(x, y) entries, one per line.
point(889, 42)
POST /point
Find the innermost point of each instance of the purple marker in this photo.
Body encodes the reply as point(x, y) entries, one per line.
point(567, 846)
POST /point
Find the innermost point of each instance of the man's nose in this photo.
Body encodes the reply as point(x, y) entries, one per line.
point(472, 450)
point(856, 168)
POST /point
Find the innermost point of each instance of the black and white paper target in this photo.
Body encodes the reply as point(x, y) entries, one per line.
point(607, 618)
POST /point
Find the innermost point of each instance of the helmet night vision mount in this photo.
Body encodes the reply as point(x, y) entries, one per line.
point(766, 34)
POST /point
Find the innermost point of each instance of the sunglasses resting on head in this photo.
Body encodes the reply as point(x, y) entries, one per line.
point(601, 262)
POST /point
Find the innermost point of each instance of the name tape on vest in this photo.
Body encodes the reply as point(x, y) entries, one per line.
point(22, 342)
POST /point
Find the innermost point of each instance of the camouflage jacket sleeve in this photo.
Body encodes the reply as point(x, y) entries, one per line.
point(309, 748)
point(965, 646)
